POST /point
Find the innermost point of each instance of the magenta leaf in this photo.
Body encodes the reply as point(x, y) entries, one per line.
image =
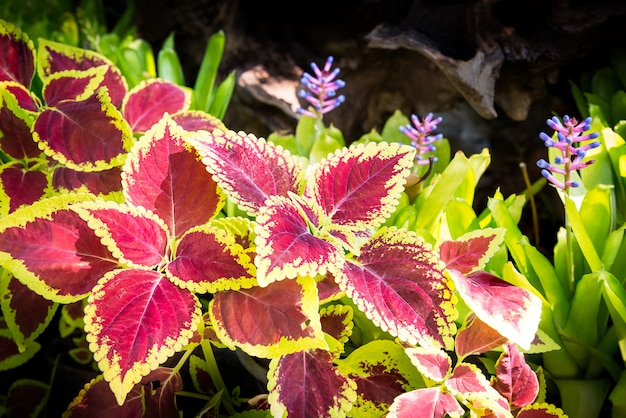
point(471, 251)
point(147, 102)
point(26, 313)
point(468, 384)
point(17, 61)
point(433, 363)
point(134, 235)
point(154, 396)
point(398, 282)
point(248, 168)
point(85, 135)
point(130, 336)
point(286, 246)
point(16, 139)
point(381, 371)
point(50, 249)
point(20, 186)
point(510, 310)
point(269, 321)
point(307, 384)
point(476, 337)
point(163, 174)
point(515, 380)
point(425, 403)
point(209, 259)
point(358, 187)
point(53, 57)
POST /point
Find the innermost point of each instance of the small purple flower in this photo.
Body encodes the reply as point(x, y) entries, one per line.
point(569, 138)
point(321, 90)
point(419, 133)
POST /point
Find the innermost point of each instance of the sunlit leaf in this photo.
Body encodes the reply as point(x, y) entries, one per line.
point(514, 379)
point(381, 371)
point(163, 174)
point(53, 57)
point(512, 311)
point(50, 249)
point(467, 383)
point(248, 168)
point(471, 251)
point(86, 135)
point(197, 120)
point(433, 363)
point(476, 337)
point(307, 384)
point(135, 320)
point(209, 259)
point(359, 187)
point(398, 282)
point(147, 102)
point(134, 235)
point(286, 244)
point(425, 403)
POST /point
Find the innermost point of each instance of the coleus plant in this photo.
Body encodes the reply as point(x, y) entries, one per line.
point(308, 268)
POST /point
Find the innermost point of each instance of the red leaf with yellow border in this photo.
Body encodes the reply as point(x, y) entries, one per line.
point(17, 61)
point(147, 102)
point(307, 384)
point(398, 282)
point(269, 321)
point(50, 249)
point(165, 175)
point(248, 168)
point(135, 320)
point(514, 378)
point(471, 251)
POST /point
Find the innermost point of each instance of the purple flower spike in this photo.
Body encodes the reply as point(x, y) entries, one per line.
point(321, 90)
point(570, 135)
point(419, 133)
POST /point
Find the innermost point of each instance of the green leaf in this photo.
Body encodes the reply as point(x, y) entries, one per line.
point(168, 63)
point(208, 70)
point(582, 236)
point(221, 100)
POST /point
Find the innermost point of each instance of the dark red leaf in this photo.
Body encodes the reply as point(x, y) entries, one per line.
point(17, 61)
point(22, 187)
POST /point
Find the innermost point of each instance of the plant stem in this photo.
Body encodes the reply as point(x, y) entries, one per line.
point(214, 372)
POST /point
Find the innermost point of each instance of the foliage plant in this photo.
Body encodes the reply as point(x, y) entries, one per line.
point(361, 273)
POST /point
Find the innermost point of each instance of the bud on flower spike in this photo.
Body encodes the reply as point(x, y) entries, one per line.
point(321, 90)
point(419, 133)
point(569, 135)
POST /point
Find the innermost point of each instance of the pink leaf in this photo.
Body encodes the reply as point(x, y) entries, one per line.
point(197, 120)
point(307, 384)
point(468, 383)
point(133, 235)
point(135, 320)
point(425, 403)
point(512, 311)
point(471, 251)
point(248, 168)
point(433, 363)
point(286, 248)
point(398, 282)
point(358, 187)
point(163, 174)
point(515, 380)
point(147, 102)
